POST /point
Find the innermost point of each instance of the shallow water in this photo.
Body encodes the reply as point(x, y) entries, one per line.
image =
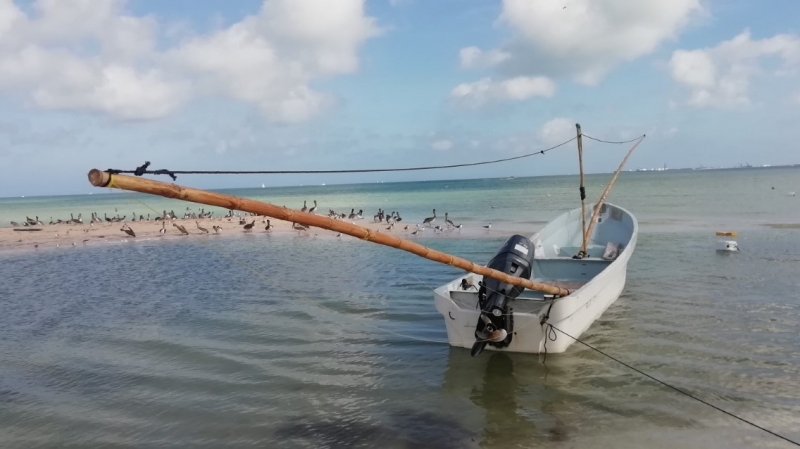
point(303, 342)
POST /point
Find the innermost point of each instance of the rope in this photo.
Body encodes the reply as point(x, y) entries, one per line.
point(142, 170)
point(677, 389)
point(615, 142)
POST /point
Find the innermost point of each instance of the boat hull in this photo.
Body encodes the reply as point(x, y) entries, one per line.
point(602, 283)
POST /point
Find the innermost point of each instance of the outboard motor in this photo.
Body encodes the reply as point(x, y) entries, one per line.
point(496, 298)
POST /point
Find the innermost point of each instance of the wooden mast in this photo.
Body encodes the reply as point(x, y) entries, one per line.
point(104, 179)
point(596, 213)
point(582, 252)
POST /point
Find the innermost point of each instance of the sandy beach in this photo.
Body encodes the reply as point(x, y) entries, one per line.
point(90, 234)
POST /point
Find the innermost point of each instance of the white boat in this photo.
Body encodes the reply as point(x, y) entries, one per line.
point(471, 305)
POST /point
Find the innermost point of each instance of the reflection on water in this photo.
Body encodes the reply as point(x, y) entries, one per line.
point(492, 385)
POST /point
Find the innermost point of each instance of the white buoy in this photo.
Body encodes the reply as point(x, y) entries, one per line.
point(727, 245)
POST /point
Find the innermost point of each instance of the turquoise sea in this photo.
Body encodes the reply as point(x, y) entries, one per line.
point(282, 341)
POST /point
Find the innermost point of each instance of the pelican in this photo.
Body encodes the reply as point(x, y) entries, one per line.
point(249, 226)
point(217, 228)
point(202, 229)
point(305, 208)
point(268, 226)
point(311, 211)
point(448, 221)
point(163, 229)
point(127, 229)
point(181, 228)
point(430, 220)
point(14, 223)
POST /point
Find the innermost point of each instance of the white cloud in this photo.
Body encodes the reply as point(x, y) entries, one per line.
point(557, 130)
point(484, 91)
point(91, 55)
point(720, 76)
point(442, 145)
point(475, 58)
point(583, 40)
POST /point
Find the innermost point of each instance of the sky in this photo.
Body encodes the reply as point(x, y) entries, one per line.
point(341, 84)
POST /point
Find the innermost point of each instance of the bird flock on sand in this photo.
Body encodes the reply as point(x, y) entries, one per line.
point(247, 223)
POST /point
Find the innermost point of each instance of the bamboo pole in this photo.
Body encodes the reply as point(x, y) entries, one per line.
point(596, 213)
point(104, 179)
point(582, 191)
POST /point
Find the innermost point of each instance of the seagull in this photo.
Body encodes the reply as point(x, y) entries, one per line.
point(430, 220)
point(217, 228)
point(202, 229)
point(311, 211)
point(487, 226)
point(299, 227)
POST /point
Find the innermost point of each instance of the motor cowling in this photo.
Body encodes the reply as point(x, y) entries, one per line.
point(496, 298)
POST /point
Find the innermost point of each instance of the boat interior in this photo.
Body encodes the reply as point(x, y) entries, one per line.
point(555, 246)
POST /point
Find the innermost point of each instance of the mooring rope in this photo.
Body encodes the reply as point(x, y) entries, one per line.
point(676, 389)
